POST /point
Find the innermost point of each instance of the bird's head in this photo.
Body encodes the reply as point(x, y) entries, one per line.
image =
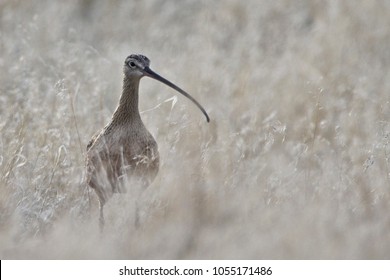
point(137, 66)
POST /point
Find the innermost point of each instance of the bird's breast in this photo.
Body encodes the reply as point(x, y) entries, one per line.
point(126, 152)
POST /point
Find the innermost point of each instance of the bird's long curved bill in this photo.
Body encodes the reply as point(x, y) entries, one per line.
point(148, 72)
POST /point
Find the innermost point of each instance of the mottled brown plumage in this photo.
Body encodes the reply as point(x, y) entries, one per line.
point(124, 152)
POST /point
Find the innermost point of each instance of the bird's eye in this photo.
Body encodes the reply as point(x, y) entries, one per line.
point(132, 64)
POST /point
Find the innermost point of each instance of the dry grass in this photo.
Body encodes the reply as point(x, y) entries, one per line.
point(295, 163)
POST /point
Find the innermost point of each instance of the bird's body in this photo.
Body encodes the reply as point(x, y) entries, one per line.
point(124, 152)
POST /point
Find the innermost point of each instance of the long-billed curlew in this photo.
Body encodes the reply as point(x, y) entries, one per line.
point(124, 151)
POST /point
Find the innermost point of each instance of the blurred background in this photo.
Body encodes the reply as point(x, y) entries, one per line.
point(293, 165)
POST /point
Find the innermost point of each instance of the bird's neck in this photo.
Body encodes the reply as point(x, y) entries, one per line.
point(127, 110)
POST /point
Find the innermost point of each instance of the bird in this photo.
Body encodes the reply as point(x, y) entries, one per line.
point(124, 151)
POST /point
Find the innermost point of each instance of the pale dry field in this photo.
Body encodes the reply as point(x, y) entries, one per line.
point(295, 163)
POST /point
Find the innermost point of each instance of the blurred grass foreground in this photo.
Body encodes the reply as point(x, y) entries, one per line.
point(295, 163)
